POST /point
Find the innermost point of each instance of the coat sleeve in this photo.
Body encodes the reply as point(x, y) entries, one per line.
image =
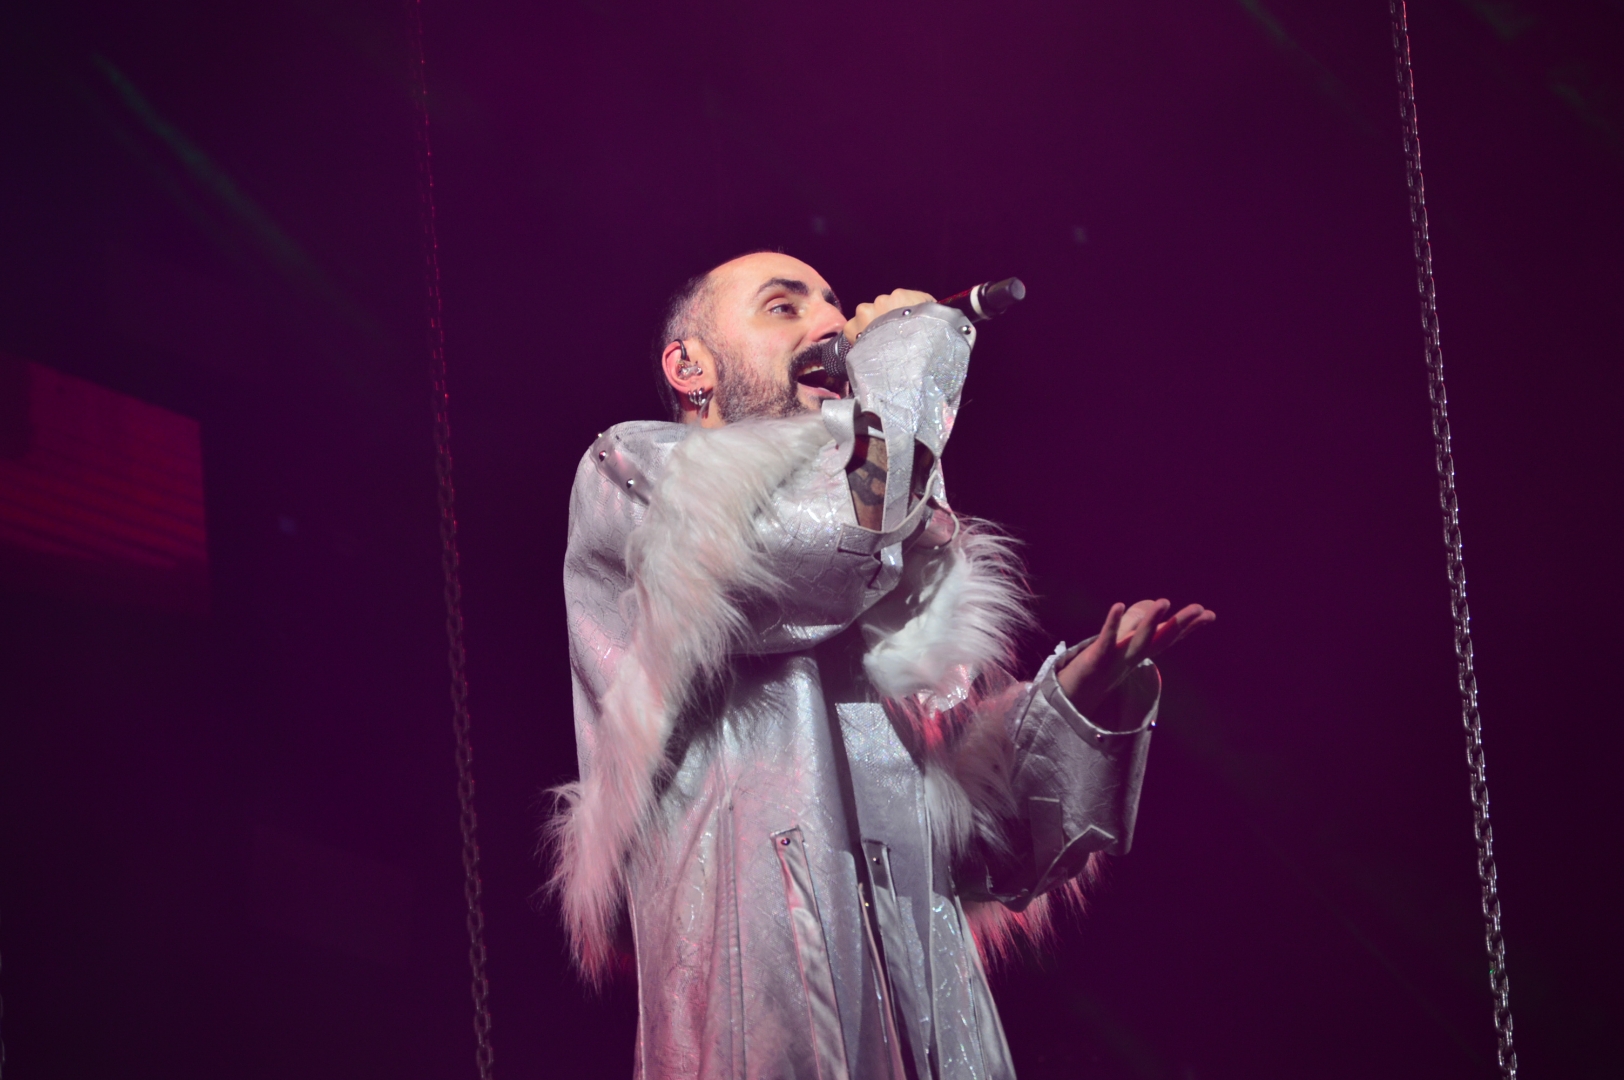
point(757, 513)
point(824, 571)
point(601, 516)
point(810, 574)
point(1070, 786)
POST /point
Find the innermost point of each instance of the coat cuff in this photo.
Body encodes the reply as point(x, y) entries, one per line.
point(1076, 782)
point(1129, 710)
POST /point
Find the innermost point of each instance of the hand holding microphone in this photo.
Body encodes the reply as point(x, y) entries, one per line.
point(979, 304)
point(905, 375)
point(867, 313)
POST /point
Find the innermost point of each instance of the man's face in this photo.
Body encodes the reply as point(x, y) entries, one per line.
point(768, 313)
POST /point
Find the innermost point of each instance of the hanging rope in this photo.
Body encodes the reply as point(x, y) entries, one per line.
point(450, 563)
point(1494, 939)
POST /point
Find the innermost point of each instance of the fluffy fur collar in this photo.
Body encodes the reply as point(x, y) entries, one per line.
point(692, 557)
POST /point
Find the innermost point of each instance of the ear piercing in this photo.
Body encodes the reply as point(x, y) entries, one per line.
point(688, 369)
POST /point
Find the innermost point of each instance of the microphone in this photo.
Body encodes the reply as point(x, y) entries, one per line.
point(984, 301)
point(980, 303)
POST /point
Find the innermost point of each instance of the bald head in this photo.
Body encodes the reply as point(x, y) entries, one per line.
point(751, 317)
point(690, 311)
point(738, 281)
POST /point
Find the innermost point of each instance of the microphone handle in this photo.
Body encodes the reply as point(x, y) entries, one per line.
point(985, 301)
point(980, 303)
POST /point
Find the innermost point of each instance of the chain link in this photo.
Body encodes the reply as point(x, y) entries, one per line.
point(2, 1034)
point(1494, 939)
point(451, 564)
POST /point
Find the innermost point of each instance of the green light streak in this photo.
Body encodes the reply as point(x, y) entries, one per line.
point(282, 250)
point(1507, 19)
point(1270, 24)
point(1578, 88)
point(1309, 65)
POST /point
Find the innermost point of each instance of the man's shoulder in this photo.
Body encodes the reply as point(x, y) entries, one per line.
point(634, 450)
point(648, 436)
point(645, 440)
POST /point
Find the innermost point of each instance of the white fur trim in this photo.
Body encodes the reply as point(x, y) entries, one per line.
point(946, 670)
point(966, 623)
point(693, 554)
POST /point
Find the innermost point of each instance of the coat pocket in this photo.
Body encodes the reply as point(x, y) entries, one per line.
point(812, 953)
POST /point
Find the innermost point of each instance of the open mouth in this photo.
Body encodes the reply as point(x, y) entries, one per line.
point(812, 374)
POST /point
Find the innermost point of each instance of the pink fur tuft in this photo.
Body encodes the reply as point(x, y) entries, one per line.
point(1002, 935)
point(958, 648)
point(694, 553)
point(945, 668)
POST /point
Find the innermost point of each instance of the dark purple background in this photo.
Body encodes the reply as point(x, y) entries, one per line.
point(229, 847)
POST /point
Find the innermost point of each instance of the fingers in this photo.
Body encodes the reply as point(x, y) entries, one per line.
point(1111, 632)
point(1150, 618)
point(1136, 615)
point(1169, 632)
point(902, 298)
point(1088, 665)
point(860, 318)
point(1128, 636)
point(1198, 617)
point(867, 313)
point(1189, 619)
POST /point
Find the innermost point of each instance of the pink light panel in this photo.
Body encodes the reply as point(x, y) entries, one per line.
point(101, 495)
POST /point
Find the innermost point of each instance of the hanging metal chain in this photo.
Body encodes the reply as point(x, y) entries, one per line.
point(1494, 939)
point(2, 1038)
point(451, 563)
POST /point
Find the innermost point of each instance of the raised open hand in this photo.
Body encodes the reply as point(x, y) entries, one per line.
point(1129, 635)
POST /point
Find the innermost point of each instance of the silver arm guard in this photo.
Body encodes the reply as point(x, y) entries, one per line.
point(907, 368)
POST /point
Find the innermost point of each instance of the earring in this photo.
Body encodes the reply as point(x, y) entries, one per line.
point(689, 369)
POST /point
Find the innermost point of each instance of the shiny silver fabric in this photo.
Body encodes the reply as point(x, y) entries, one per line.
point(792, 797)
point(908, 368)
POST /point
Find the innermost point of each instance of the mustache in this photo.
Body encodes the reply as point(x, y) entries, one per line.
point(806, 367)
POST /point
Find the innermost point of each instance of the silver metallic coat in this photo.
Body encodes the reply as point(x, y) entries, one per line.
point(797, 903)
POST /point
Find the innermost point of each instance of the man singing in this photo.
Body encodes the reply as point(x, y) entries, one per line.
point(812, 795)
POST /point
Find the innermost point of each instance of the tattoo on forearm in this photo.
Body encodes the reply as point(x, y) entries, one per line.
point(865, 474)
point(868, 484)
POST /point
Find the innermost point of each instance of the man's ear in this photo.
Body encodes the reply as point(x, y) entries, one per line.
point(688, 366)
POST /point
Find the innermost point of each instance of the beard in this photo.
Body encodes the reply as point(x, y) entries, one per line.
point(742, 392)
